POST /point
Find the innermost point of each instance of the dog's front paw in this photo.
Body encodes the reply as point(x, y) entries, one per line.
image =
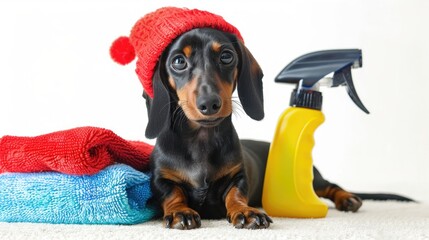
point(348, 202)
point(182, 219)
point(250, 218)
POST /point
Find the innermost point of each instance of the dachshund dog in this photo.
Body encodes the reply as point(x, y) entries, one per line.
point(200, 167)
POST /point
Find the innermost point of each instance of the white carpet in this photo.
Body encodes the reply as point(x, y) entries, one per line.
point(375, 220)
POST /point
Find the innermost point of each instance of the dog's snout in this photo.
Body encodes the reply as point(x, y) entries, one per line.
point(210, 104)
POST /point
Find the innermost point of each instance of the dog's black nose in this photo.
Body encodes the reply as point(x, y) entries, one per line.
point(209, 105)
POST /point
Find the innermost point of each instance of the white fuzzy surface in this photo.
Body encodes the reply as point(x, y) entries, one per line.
point(375, 220)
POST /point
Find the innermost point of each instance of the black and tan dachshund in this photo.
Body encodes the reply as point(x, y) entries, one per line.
point(200, 167)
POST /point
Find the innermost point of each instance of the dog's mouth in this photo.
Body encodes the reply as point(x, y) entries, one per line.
point(210, 122)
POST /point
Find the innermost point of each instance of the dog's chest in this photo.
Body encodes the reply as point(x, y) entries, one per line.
point(205, 191)
point(203, 177)
point(200, 174)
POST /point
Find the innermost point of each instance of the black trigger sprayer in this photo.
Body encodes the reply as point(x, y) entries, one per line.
point(288, 189)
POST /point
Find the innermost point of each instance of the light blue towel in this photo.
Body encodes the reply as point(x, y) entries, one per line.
point(116, 195)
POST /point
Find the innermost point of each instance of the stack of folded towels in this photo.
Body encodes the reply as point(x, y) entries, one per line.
point(84, 175)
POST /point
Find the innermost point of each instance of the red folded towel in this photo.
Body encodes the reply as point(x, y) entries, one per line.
point(78, 151)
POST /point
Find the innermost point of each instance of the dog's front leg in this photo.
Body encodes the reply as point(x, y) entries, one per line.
point(177, 214)
point(240, 214)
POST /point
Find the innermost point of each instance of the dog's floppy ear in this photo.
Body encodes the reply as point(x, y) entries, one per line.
point(249, 83)
point(159, 107)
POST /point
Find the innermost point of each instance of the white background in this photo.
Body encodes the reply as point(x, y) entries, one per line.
point(56, 73)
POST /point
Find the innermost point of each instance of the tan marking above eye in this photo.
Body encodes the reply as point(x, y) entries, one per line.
point(187, 51)
point(216, 46)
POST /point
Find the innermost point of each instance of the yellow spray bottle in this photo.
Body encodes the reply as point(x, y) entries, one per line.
point(288, 184)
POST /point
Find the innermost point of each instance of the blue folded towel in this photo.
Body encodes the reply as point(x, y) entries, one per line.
point(116, 195)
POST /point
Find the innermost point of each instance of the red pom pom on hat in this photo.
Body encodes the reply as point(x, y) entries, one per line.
point(122, 51)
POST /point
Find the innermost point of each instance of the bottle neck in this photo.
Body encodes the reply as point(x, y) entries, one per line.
point(306, 98)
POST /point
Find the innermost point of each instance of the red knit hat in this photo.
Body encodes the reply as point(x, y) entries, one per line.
point(155, 31)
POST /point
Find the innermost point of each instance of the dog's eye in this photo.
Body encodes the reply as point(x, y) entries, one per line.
point(179, 63)
point(226, 57)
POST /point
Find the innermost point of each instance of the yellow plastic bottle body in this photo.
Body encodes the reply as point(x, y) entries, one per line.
point(288, 184)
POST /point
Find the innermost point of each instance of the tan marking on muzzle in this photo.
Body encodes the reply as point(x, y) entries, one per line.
point(225, 92)
point(187, 99)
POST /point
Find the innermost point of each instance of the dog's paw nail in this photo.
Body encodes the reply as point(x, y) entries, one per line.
point(182, 221)
point(264, 220)
point(241, 220)
point(197, 220)
point(265, 223)
point(269, 219)
point(257, 220)
point(168, 220)
point(188, 219)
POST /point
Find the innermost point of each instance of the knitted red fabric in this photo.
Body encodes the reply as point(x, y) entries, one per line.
point(78, 151)
point(122, 51)
point(155, 31)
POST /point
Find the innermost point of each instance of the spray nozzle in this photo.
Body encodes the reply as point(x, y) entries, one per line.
point(309, 71)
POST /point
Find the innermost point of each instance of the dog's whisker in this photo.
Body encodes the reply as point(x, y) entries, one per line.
point(178, 114)
point(237, 108)
point(181, 120)
point(236, 114)
point(236, 102)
